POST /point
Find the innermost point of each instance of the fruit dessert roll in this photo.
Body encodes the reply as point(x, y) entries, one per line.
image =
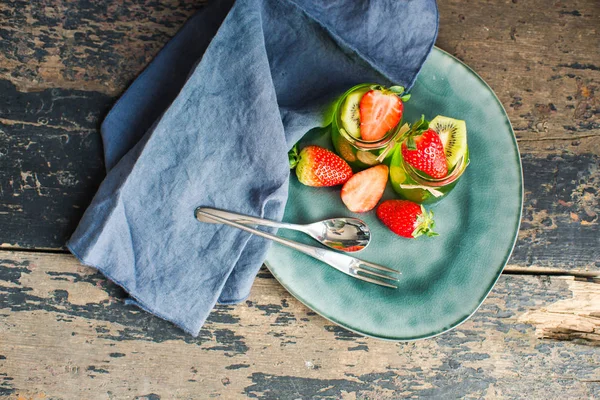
point(366, 120)
point(430, 160)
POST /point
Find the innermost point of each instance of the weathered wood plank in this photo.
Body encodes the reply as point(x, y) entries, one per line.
point(66, 333)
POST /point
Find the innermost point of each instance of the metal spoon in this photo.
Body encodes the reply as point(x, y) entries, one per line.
point(344, 234)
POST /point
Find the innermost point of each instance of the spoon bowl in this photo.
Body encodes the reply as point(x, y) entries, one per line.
point(343, 234)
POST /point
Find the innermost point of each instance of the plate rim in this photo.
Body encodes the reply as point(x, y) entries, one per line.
point(506, 259)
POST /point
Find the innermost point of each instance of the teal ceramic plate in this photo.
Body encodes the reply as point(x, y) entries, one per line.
point(446, 278)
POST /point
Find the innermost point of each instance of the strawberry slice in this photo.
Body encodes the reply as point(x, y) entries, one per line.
point(362, 192)
point(425, 152)
point(316, 166)
point(380, 111)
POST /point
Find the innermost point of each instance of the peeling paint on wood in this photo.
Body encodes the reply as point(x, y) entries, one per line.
point(83, 45)
point(98, 347)
point(560, 226)
point(50, 162)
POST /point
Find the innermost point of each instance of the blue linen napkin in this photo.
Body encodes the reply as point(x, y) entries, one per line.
point(209, 123)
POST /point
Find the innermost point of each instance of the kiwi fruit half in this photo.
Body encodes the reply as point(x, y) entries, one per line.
point(453, 133)
point(350, 112)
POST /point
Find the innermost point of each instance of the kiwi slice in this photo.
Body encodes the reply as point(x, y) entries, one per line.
point(350, 112)
point(453, 133)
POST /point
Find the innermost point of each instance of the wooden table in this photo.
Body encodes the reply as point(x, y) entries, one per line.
point(65, 332)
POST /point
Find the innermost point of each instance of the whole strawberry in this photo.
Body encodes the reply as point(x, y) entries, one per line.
point(425, 152)
point(405, 218)
point(316, 166)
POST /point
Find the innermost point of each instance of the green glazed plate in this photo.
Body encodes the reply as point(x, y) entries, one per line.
point(446, 278)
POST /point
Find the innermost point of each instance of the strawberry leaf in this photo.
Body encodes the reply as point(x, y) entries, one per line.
point(416, 130)
point(397, 90)
point(405, 98)
point(425, 224)
point(420, 126)
point(293, 156)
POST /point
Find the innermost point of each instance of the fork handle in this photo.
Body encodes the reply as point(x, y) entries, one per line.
point(244, 219)
point(323, 255)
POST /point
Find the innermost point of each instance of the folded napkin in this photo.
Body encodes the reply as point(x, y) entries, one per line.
point(209, 123)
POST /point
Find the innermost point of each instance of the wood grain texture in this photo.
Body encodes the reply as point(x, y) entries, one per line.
point(93, 346)
point(541, 59)
point(62, 64)
point(85, 45)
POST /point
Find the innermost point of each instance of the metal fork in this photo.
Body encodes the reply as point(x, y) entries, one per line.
point(349, 265)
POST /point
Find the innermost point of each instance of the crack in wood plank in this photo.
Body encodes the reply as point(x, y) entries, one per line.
point(558, 138)
point(5, 121)
point(533, 270)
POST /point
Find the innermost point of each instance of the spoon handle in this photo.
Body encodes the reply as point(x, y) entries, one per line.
point(245, 219)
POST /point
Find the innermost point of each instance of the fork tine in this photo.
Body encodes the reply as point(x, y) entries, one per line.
point(377, 274)
point(375, 281)
point(379, 267)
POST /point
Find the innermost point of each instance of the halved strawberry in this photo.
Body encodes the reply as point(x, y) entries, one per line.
point(406, 218)
point(380, 111)
point(316, 166)
point(362, 192)
point(425, 152)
